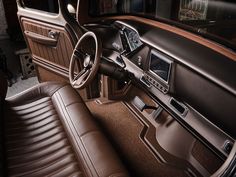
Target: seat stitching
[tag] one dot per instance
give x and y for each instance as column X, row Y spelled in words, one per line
column 61, row 138
column 66, row 155
column 31, row 111
column 120, row 174
column 75, row 102
column 57, row 89
column 48, row 146
column 52, row 114
column 88, row 132
column 58, row 98
column 82, row 144
column 60, row 152
column 44, row 100
column 38, row 141
column 67, row 166
column 35, row 114
column 39, row 131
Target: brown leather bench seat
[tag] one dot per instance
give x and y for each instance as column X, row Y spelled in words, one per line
column 49, row 131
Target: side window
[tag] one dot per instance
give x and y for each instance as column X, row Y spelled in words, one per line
column 50, row 6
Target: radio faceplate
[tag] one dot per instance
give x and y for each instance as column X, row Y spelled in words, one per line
column 159, row 71
column 163, row 87
column 160, row 66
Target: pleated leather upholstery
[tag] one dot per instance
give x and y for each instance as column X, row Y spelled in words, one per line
column 36, row 142
column 48, row 131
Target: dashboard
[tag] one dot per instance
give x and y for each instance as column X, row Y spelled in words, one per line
column 183, row 82
column 159, row 65
column 169, row 79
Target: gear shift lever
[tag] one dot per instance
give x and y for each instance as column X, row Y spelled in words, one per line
column 141, row 105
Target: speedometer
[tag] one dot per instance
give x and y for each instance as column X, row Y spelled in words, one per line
column 132, row 39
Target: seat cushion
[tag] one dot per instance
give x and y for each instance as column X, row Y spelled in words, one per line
column 48, row 131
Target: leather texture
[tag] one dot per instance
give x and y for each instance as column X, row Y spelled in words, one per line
column 49, row 131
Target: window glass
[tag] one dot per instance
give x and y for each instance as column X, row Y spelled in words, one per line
column 44, row 5
column 215, row 19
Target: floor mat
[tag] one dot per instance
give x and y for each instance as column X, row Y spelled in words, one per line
column 123, row 130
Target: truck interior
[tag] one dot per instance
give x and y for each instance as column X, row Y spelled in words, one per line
column 118, row 88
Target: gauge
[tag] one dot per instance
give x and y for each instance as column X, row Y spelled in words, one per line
column 132, row 39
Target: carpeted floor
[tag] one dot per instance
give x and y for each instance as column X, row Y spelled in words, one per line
column 8, row 49
column 123, row 130
column 21, row 85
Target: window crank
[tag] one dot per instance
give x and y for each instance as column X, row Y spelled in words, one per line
column 53, row 34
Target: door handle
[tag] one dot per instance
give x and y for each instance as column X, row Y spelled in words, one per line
column 41, row 39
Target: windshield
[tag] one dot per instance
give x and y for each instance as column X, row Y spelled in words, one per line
column 215, row 19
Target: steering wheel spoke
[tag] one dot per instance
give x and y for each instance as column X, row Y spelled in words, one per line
column 84, row 76
column 79, row 54
column 80, row 77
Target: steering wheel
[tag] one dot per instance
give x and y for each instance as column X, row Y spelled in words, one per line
column 90, row 61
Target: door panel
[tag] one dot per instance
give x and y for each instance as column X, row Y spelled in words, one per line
column 51, row 37
column 59, row 54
